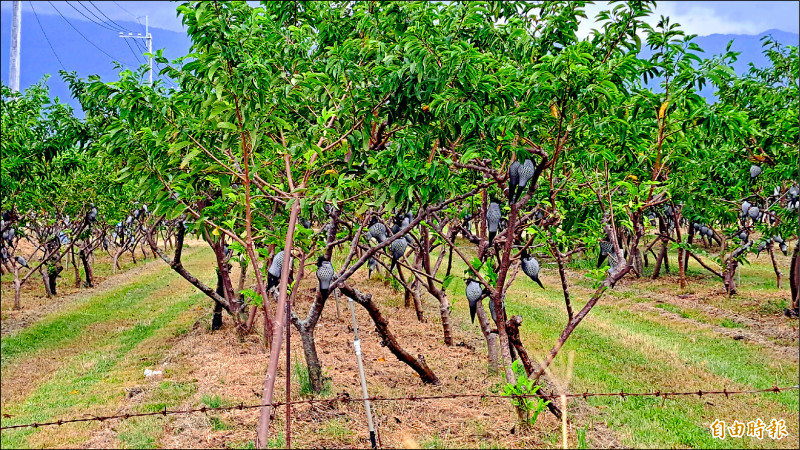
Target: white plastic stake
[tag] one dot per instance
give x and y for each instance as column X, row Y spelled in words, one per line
column 357, row 348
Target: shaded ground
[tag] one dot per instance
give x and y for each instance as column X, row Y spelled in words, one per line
column 88, row 357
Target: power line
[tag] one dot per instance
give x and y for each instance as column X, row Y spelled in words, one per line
column 89, row 18
column 45, row 36
column 132, row 15
column 104, row 15
column 84, row 37
column 135, row 55
column 140, row 45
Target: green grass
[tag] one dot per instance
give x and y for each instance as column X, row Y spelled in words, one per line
column 773, row 307
column 304, row 380
column 637, row 351
column 90, row 380
column 337, row 429
column 687, row 313
column 435, row 441
column 67, row 327
column 212, row 401
column 728, row 323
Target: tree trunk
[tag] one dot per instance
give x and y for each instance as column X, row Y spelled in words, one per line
column 117, row 254
column 312, row 358
column 512, row 327
column 418, row 364
column 216, row 319
column 794, row 280
column 87, row 269
column 52, row 275
column 75, row 267
column 729, row 276
column 775, row 267
column 17, row 287
column 45, row 281
column 676, row 217
column 491, row 340
column 661, row 257
column 444, row 311
column 690, row 241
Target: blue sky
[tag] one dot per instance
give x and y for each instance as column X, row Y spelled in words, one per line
column 697, row 17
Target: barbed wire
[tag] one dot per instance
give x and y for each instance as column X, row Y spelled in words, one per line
column 345, row 398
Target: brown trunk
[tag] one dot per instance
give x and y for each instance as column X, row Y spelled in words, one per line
column 75, row 267
column 794, row 279
column 512, row 327
column 116, row 259
column 729, row 276
column 440, row 294
column 17, row 287
column 661, row 256
column 176, row 265
column 775, row 267
column 410, row 297
column 690, row 241
column 418, row 364
column 87, row 269
column 45, row 281
column 444, row 311
column 491, row 340
column 676, row 217
column 216, row 319
column 52, row 276
column 561, row 272
column 312, row 359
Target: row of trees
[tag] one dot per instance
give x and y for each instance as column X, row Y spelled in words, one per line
column 295, row 117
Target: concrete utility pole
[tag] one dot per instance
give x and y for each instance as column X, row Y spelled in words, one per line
column 16, row 38
column 149, row 38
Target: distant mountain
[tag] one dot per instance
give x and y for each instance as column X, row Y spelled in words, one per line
column 750, row 46
column 77, row 54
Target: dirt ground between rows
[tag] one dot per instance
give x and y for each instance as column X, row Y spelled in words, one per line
column 220, row 364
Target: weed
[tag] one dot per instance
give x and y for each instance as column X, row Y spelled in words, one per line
column 434, row 441
column 336, row 428
column 211, row 401
column 301, row 373
column 728, row 323
column 581, row 432
column 278, row 442
column 529, row 407
column 773, row 306
column 218, row 424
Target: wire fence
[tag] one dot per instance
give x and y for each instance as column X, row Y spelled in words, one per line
column 347, row 399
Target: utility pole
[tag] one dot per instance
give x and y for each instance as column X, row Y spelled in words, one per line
column 16, row 38
column 149, row 38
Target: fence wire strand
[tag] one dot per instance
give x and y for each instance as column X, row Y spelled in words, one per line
column 347, row 399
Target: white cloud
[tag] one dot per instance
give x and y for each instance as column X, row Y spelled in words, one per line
column 705, row 18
